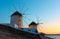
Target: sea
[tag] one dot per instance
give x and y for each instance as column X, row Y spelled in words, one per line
column 54, row 36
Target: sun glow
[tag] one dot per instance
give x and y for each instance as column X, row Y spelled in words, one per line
column 50, row 29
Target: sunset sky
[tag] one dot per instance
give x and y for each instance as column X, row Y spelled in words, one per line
column 46, row 10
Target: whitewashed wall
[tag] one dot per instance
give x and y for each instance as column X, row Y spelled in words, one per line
column 15, row 21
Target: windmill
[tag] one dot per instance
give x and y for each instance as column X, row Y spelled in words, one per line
column 23, row 14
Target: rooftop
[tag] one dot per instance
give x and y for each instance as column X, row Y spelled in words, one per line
column 16, row 13
column 32, row 23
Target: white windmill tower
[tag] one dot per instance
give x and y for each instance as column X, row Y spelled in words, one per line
column 16, row 20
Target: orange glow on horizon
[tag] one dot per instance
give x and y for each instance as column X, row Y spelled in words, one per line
column 50, row 29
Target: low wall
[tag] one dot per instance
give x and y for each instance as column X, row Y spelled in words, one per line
column 7, row 32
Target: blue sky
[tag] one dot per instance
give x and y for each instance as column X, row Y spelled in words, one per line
column 46, row 10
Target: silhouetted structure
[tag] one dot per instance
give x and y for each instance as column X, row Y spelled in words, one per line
column 33, row 25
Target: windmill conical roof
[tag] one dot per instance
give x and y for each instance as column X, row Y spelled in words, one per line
column 32, row 23
column 16, row 13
